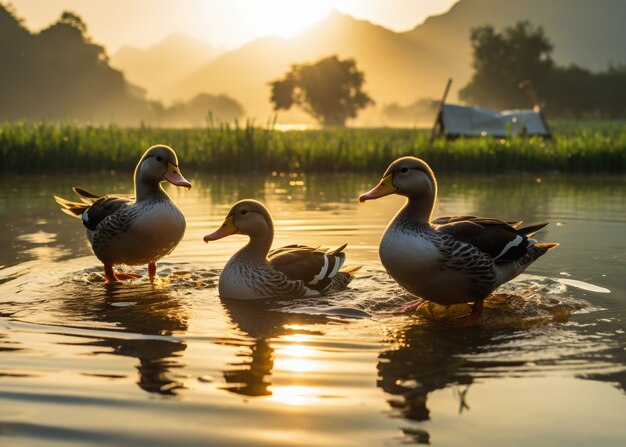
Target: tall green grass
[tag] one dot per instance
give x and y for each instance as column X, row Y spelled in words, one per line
column 241, row 149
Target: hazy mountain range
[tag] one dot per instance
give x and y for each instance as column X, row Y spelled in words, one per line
column 399, row 67
column 165, row 63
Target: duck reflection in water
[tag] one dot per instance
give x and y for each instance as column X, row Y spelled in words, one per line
column 148, row 316
column 261, row 321
column 429, row 358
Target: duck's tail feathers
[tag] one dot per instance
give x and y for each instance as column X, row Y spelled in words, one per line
column 352, row 270
column 534, row 252
column 529, row 231
column 86, row 196
column 337, row 250
column 342, row 279
column 547, row 246
column 74, row 209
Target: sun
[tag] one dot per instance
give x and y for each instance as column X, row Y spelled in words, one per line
column 286, row 18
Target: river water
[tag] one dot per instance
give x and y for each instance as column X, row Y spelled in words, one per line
column 88, row 363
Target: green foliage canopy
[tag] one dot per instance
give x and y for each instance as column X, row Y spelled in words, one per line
column 330, row 90
column 502, row 60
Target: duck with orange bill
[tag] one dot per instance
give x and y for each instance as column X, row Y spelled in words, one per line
column 293, row 271
column 449, row 260
column 139, row 230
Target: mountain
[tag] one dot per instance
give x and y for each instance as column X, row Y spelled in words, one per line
column 392, row 64
column 403, row 67
column 168, row 61
column 589, row 34
column 60, row 74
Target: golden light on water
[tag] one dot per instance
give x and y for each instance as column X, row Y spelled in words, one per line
column 295, row 395
column 295, row 358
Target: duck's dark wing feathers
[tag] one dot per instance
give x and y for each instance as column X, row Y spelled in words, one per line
column 315, row 266
column 451, row 219
column 501, row 240
column 103, row 208
column 92, row 209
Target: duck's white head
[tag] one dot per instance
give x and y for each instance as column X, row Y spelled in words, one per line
column 247, row 217
column 407, row 176
column 159, row 164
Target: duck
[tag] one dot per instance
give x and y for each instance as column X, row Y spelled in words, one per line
column 134, row 230
column 293, row 271
column 448, row 260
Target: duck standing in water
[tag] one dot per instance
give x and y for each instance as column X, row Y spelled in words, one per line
column 140, row 231
column 449, row 260
column 294, row 271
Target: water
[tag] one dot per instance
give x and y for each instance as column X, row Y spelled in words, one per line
column 85, row 363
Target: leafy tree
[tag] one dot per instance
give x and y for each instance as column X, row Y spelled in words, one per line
column 503, row 60
column 330, row 90
column 522, row 52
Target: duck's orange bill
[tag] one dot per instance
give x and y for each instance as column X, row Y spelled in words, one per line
column 174, row 176
column 227, row 228
column 384, row 188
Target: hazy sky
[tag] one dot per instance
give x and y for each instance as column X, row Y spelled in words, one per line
column 225, row 23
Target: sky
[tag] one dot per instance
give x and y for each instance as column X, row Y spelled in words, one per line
column 222, row 23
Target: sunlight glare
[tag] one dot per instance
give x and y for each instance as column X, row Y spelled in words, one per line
column 295, row 358
column 294, row 395
column 286, row 18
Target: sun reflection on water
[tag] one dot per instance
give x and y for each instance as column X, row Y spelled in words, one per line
column 295, row 395
column 295, row 358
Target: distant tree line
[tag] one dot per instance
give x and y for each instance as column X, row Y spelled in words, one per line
column 60, row 74
column 522, row 52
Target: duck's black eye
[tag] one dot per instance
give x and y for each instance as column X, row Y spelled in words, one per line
column 403, row 170
column 159, row 158
column 243, row 211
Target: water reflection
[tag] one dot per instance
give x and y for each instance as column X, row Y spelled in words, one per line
column 68, row 340
column 424, row 358
column 429, row 358
column 263, row 322
column 141, row 310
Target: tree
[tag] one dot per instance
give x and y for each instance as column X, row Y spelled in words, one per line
column 330, row 90
column 503, row 60
column 522, row 52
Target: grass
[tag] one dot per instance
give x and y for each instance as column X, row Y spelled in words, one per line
column 586, row 147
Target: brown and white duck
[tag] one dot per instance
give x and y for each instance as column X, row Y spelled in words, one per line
column 136, row 231
column 294, row 271
column 449, row 260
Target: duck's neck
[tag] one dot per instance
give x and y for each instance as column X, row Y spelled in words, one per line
column 145, row 190
column 418, row 209
column 259, row 245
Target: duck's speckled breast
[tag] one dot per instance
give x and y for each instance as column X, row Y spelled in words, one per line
column 407, row 254
column 412, row 255
column 153, row 231
column 239, row 278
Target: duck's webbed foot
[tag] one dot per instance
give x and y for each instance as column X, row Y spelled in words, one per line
column 472, row 318
column 112, row 276
column 407, row 307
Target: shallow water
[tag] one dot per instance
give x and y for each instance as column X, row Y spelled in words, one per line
column 85, row 363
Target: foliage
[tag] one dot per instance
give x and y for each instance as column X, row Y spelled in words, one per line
column 60, row 74
column 330, row 90
column 522, row 53
column 47, row 148
column 502, row 61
